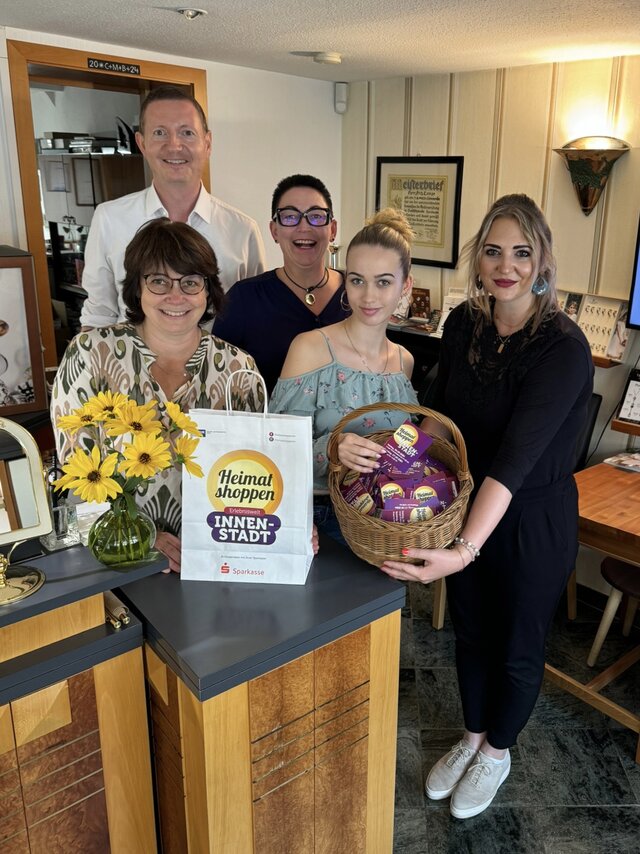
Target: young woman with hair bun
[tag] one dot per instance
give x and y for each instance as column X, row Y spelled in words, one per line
column 329, row 372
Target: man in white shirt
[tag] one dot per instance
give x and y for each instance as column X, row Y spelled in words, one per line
column 176, row 144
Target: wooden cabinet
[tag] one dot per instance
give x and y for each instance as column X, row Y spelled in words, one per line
column 75, row 768
column 298, row 760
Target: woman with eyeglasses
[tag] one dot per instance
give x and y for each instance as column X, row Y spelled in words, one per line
column 263, row 314
column 171, row 287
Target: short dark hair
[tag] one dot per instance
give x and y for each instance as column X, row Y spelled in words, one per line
column 299, row 181
column 171, row 93
column 160, row 244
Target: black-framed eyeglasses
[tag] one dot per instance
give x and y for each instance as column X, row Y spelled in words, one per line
column 160, row 284
column 316, row 217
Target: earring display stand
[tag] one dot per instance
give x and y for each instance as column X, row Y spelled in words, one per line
column 603, row 321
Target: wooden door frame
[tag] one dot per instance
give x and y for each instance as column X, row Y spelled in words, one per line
column 20, row 56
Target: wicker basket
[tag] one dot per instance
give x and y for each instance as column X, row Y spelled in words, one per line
column 376, row 540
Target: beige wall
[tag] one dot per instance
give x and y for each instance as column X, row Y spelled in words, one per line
column 505, row 123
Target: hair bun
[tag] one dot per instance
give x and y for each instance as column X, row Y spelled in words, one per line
column 395, row 219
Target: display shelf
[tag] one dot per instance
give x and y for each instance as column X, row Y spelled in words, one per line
column 625, row 427
column 604, row 362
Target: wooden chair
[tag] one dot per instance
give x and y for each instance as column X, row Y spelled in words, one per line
column 582, row 449
column 624, row 579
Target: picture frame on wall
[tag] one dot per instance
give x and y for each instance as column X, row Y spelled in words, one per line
column 429, row 191
column 22, row 383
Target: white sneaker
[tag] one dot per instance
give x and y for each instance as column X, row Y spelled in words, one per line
column 479, row 785
column 449, row 770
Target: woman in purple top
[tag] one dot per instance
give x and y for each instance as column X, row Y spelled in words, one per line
column 263, row 314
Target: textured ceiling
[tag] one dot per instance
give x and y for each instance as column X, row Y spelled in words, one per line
column 377, row 38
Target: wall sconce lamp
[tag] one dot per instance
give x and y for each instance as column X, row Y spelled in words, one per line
column 589, row 160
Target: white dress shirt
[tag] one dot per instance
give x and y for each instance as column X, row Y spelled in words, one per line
column 235, row 239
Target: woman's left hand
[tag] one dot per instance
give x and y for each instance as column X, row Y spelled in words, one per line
column 170, row 546
column 437, row 563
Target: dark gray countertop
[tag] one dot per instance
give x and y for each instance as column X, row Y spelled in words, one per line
column 215, row 635
column 71, row 574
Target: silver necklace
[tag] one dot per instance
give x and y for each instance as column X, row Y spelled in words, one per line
column 361, row 357
column 309, row 296
column 171, row 373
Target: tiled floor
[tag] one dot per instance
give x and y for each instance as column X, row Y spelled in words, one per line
column 574, row 787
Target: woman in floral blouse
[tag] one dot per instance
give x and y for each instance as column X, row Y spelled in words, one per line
column 171, row 287
column 332, row 371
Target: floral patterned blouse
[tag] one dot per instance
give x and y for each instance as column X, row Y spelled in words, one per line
column 330, row 392
column 116, row 359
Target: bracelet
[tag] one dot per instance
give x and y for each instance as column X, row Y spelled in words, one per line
column 464, row 565
column 474, row 551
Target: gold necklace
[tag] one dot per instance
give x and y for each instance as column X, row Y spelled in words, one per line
column 309, row 296
column 503, row 341
column 361, row 357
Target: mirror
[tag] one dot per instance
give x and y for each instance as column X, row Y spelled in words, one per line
column 24, row 508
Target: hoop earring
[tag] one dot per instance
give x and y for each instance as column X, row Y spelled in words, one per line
column 343, row 305
column 478, row 283
column 540, row 286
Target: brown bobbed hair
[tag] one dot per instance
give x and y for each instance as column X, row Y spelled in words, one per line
column 161, row 244
column 390, row 229
column 536, row 232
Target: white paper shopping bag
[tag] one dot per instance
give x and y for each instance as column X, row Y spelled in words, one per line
column 250, row 517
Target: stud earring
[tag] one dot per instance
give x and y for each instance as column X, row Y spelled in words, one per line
column 540, row 286
column 344, row 301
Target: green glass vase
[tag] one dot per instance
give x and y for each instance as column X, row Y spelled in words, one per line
column 120, row 540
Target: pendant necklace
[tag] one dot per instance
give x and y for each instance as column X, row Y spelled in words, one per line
column 502, row 341
column 361, row 357
column 309, row 296
column 171, row 373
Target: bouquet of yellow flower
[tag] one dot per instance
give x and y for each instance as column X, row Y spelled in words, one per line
column 124, row 447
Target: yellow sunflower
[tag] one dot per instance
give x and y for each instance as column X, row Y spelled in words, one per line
column 90, row 478
column 104, row 405
column 145, row 456
column 132, row 418
column 78, row 419
column 184, row 455
column 181, row 420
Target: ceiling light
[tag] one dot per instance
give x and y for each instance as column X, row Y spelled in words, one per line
column 328, row 57
column 190, row 14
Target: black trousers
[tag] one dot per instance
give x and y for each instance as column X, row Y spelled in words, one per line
column 502, row 605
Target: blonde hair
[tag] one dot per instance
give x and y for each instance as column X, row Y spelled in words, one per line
column 536, row 231
column 390, row 229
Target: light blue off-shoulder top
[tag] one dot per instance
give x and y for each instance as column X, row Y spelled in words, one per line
column 328, row 393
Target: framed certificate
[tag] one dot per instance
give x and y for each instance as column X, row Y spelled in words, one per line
column 428, row 190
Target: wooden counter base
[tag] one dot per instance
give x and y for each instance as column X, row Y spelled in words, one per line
column 300, row 760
